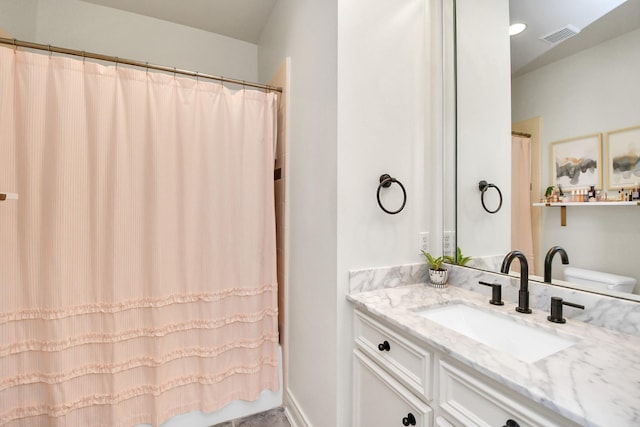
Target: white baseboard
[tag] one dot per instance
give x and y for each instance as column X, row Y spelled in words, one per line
column 294, row 413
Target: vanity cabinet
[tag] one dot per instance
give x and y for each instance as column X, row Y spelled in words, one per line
column 382, row 401
column 395, row 376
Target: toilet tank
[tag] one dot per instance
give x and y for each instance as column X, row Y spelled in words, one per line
column 599, row 279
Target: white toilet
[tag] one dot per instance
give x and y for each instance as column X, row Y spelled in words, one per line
column 599, row 279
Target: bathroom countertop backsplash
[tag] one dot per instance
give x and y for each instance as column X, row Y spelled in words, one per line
column 600, row 310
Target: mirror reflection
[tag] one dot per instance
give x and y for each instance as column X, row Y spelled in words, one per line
column 568, row 89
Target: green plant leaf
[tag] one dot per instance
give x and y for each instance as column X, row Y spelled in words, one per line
column 434, row 263
column 549, row 190
column 458, row 259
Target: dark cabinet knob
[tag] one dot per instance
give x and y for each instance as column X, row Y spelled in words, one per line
column 511, row 423
column 409, row 420
column 384, row 346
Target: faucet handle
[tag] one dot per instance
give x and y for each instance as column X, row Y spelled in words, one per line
column 496, row 292
column 556, row 309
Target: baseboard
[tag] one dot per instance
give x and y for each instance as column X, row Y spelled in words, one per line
column 294, row 413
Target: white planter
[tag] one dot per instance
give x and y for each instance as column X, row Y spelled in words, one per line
column 438, row 278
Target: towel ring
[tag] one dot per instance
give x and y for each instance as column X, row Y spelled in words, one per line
column 386, row 181
column 484, row 186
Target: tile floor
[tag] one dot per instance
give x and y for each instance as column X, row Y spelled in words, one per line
column 272, row 418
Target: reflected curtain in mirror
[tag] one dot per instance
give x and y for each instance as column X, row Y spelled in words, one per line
column 138, row 266
column 521, row 232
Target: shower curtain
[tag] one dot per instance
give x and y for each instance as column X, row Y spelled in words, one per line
column 137, row 268
column 521, row 229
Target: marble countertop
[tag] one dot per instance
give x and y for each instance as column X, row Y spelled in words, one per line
column 595, row 382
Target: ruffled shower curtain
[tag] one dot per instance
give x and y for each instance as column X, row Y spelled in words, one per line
column 137, row 268
column 521, row 227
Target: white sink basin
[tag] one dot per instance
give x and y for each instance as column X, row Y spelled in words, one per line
column 498, row 331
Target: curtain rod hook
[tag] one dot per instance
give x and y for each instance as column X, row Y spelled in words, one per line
column 49, row 48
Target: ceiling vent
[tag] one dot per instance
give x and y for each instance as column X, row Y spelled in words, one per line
column 560, row 35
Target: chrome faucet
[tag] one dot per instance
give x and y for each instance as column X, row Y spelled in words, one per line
column 523, row 295
column 549, row 258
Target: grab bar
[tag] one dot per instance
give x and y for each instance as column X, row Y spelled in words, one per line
column 8, row 196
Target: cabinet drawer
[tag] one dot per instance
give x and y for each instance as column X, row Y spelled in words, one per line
column 408, row 363
column 472, row 401
column 379, row 400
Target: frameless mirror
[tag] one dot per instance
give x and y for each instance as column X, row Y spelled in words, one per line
column 582, row 83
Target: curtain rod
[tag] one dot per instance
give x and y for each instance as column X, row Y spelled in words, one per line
column 65, row 51
column 526, row 135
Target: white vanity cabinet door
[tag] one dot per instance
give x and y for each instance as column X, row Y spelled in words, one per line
column 472, row 401
column 408, row 363
column 381, row 401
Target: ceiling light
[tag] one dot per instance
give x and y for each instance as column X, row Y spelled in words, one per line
column 516, row 28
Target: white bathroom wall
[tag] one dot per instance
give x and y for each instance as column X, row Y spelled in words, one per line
column 382, row 78
column 383, row 127
column 18, row 17
column 306, row 32
column 361, row 91
column 484, row 123
column 86, row 26
column 587, row 93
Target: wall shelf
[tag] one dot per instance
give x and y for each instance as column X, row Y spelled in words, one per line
column 563, row 207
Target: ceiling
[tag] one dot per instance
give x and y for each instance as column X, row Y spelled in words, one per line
column 245, row 20
column 597, row 20
column 239, row 19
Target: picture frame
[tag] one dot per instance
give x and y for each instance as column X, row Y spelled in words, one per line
column 576, row 163
column 623, row 158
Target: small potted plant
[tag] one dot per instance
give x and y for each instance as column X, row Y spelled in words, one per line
column 437, row 273
column 458, row 259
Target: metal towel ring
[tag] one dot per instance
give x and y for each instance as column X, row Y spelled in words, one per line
column 484, row 186
column 386, row 181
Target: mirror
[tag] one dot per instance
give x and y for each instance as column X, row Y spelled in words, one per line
column 584, row 85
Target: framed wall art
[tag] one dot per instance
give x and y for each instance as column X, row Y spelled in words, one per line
column 577, row 162
column 623, row 158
